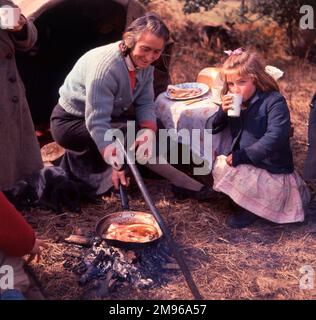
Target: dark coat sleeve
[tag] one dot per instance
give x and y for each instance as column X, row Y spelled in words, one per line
column 240, row 157
column 218, row 121
column 25, row 39
column 278, row 131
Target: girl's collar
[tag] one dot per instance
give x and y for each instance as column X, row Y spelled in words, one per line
column 250, row 101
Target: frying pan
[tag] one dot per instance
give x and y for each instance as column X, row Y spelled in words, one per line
column 158, row 219
column 126, row 217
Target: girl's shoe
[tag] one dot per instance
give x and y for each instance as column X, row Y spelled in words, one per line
column 206, row 193
column 241, row 219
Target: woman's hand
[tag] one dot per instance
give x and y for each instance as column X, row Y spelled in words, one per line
column 229, row 160
column 119, row 177
column 21, row 23
column 227, row 102
column 37, row 251
column 144, row 145
column 113, row 156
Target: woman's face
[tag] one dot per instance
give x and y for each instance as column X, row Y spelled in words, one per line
column 242, row 85
column 147, row 49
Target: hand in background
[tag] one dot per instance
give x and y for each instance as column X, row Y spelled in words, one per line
column 21, row 23
column 113, row 156
column 37, row 251
column 119, row 177
column 227, row 102
column 229, row 160
column 144, row 145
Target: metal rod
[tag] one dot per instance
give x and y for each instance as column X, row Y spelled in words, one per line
column 124, row 198
column 185, row 270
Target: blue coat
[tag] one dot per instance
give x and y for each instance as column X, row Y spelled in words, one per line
column 261, row 133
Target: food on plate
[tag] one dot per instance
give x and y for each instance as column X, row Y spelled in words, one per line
column 175, row 92
column 137, row 232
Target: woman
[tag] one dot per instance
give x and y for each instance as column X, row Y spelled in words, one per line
column 20, row 154
column 99, row 90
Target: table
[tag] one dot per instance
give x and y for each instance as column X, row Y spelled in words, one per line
column 179, row 115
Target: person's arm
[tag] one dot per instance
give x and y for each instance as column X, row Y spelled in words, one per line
column 278, row 131
column 17, row 238
column 25, row 35
column 218, row 121
column 240, row 157
column 144, row 104
column 100, row 90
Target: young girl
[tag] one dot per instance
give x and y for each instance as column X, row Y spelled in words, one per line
column 258, row 173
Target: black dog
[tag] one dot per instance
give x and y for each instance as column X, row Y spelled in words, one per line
column 48, row 188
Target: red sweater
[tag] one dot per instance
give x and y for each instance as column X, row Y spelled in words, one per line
column 17, row 237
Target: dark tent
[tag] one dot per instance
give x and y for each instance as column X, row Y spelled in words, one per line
column 66, row 30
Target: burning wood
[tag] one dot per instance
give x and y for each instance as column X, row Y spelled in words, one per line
column 103, row 268
column 79, row 240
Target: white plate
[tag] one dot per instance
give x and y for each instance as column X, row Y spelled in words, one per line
column 190, row 85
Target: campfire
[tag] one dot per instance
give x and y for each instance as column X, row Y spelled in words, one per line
column 102, row 269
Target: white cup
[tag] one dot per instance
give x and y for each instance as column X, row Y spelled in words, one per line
column 236, row 105
column 216, row 94
column 9, row 17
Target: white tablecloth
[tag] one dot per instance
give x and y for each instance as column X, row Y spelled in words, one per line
column 177, row 115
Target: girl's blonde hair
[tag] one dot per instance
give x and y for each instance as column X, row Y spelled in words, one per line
column 247, row 63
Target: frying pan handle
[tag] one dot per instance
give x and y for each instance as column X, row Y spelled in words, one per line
column 124, row 198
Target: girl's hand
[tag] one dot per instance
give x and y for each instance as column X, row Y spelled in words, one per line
column 119, row 177
column 227, row 102
column 37, row 251
column 229, row 160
